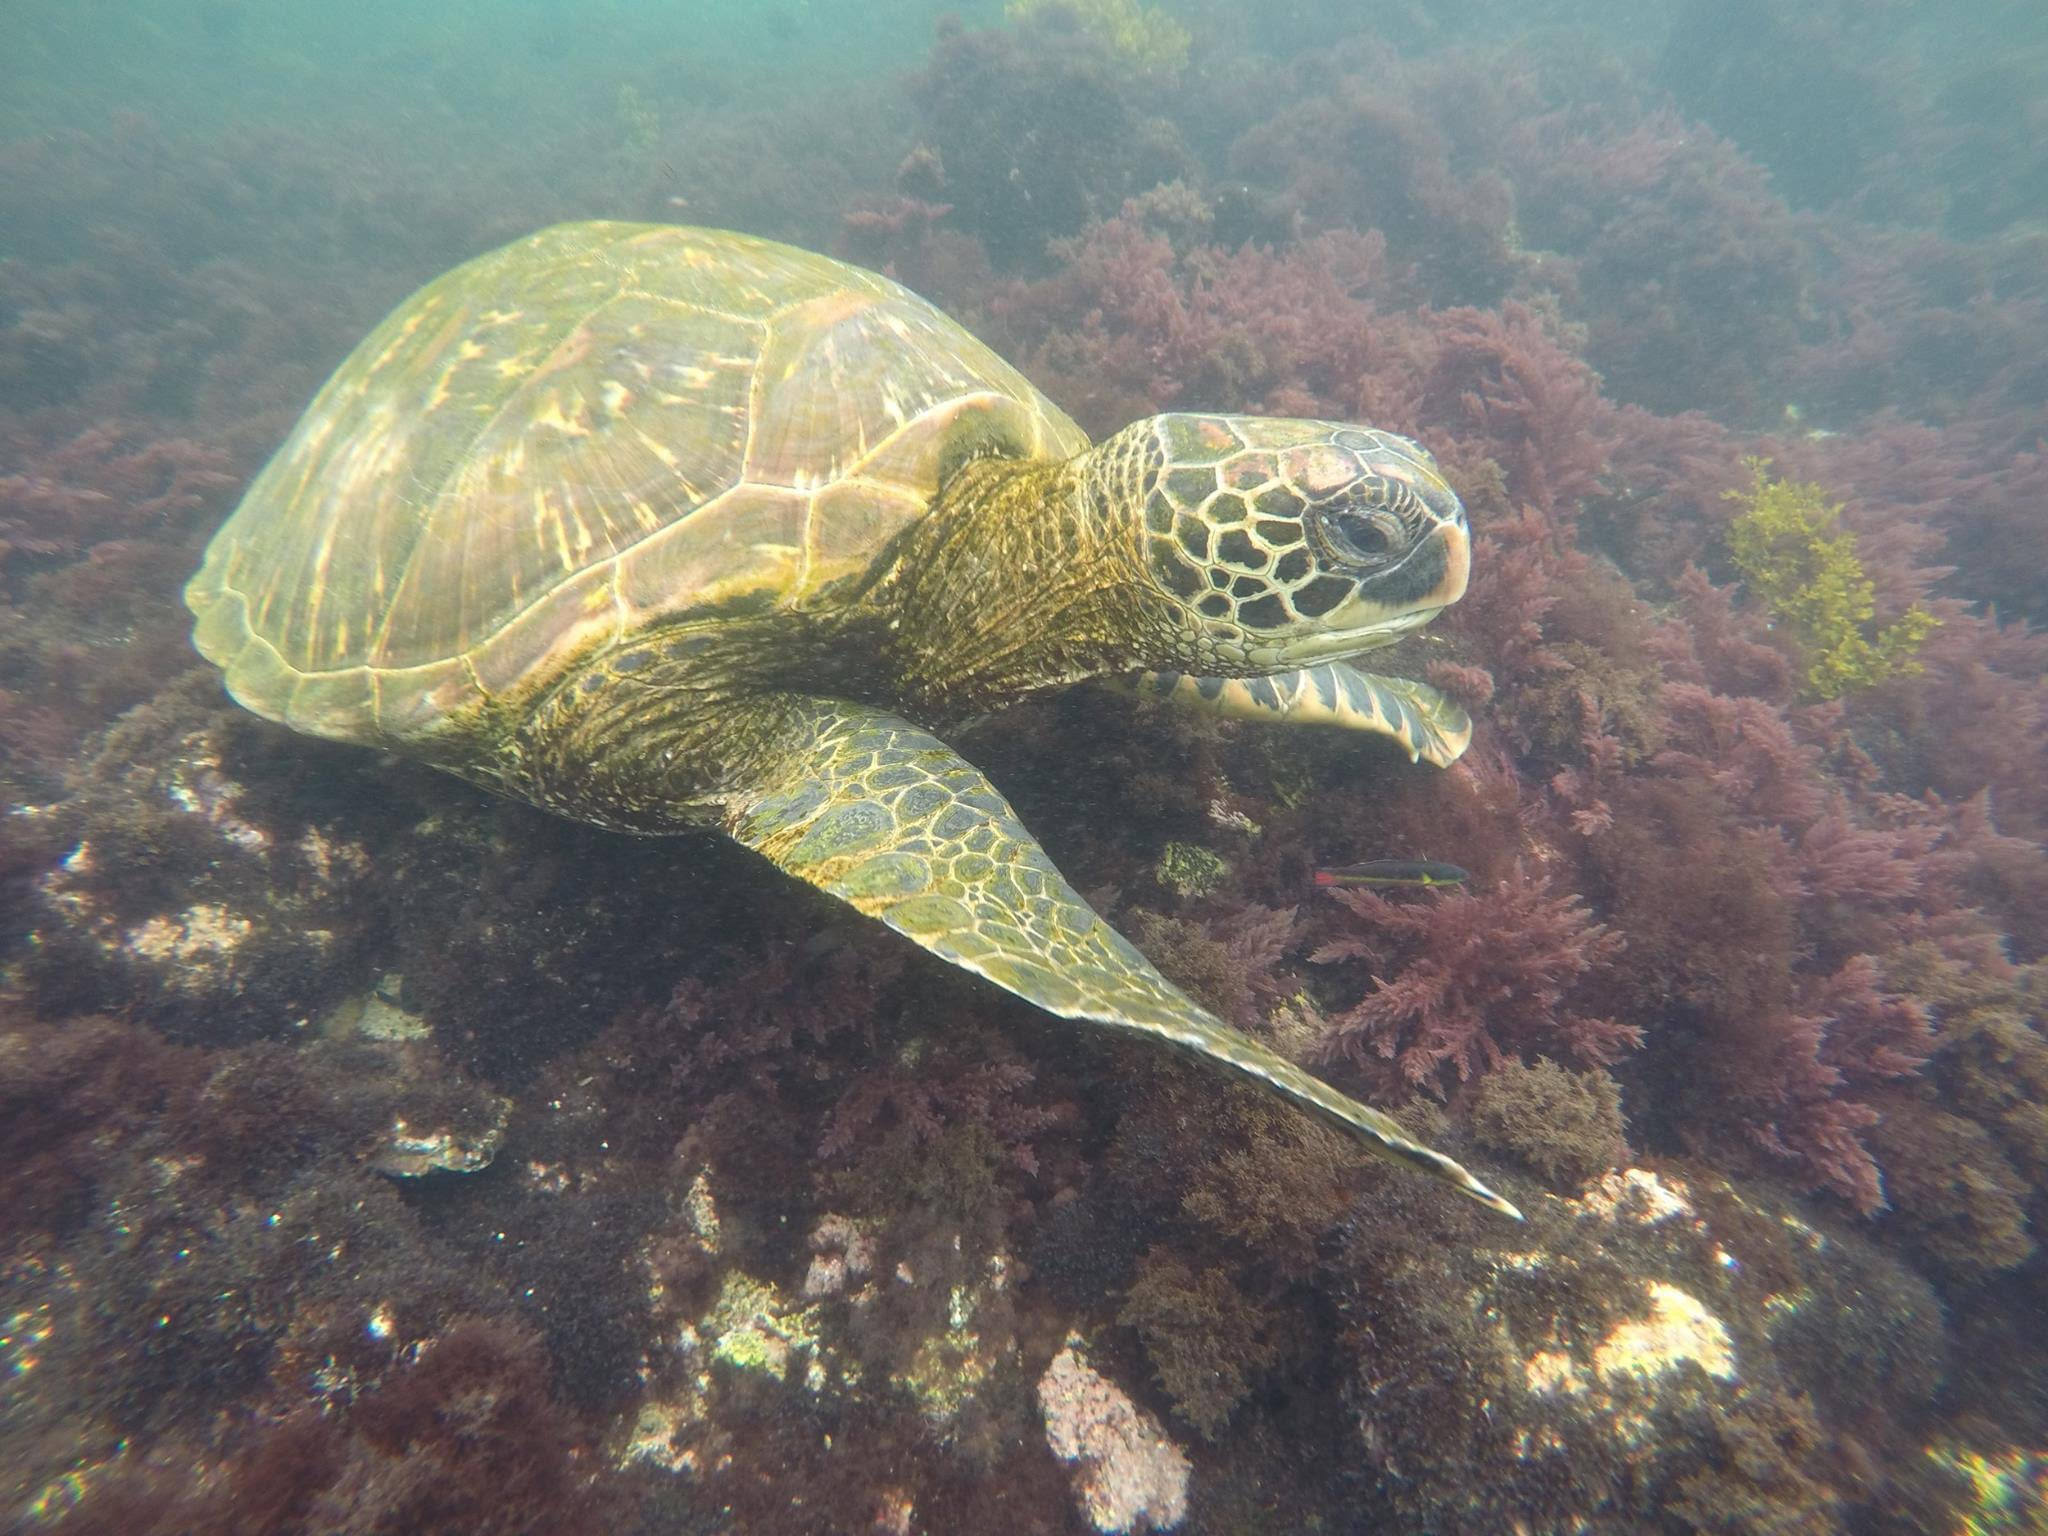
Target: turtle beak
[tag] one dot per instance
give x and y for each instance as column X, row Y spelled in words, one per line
column 1429, row 581
column 1457, row 566
column 1431, row 578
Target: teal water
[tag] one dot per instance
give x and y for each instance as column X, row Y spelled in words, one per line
column 520, row 65
column 380, row 1154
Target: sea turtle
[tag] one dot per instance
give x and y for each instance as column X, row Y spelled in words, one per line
column 660, row 528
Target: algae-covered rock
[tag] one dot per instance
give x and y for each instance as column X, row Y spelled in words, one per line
column 1189, row 870
column 434, row 1117
column 1623, row 1359
column 1565, row 1125
column 186, row 898
column 1205, row 1338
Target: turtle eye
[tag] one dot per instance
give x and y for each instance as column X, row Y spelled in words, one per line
column 1355, row 533
column 1373, row 537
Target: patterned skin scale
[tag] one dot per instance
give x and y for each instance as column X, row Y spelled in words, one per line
column 665, row 528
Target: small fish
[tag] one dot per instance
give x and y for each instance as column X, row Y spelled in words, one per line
column 1394, row 872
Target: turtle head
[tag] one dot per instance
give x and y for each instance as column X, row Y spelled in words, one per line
column 1283, row 543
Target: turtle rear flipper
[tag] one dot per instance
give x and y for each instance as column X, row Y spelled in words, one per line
column 887, row 817
column 1429, row 726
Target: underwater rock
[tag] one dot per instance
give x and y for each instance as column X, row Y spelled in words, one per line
column 2004, row 1488
column 412, row 1152
column 842, row 1251
column 1637, row 1366
column 1602, row 1375
column 1129, row 1476
column 954, row 1370
column 725, row 1338
column 437, row 1119
column 755, row 1327
column 1567, row 1126
column 1189, row 870
column 184, row 898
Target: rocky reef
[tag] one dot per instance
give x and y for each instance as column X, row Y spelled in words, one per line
column 382, row 1156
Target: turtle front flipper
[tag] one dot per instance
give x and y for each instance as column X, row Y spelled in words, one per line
column 1427, row 724
column 889, row 818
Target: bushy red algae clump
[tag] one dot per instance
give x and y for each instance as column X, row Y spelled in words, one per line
column 1467, row 980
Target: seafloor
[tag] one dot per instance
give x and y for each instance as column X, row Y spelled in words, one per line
column 377, row 1156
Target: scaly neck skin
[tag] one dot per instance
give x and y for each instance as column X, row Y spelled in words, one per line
column 1023, row 576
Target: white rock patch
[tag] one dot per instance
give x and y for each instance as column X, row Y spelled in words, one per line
column 1129, row 1475
column 1678, row 1329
